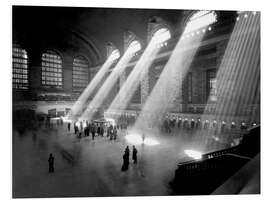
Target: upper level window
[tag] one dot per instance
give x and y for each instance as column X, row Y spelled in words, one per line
column 19, row 68
column 80, row 73
column 134, row 47
column 115, row 54
column 51, row 69
column 161, row 36
column 199, row 20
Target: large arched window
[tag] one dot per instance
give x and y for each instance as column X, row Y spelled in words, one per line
column 199, row 20
column 134, row 47
column 51, row 69
column 115, row 54
column 112, row 52
column 161, row 36
column 80, row 73
column 19, row 68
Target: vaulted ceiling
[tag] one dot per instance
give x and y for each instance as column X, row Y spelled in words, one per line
column 88, row 30
column 59, row 27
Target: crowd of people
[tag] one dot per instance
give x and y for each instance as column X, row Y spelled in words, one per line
column 125, row 120
column 86, row 128
column 166, row 123
column 50, row 122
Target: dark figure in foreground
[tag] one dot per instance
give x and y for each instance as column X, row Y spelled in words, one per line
column 114, row 133
column 134, row 155
column 125, row 160
column 93, row 131
column 51, row 163
column 127, row 151
column 68, row 127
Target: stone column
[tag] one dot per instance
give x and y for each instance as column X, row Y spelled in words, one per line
column 67, row 66
column 34, row 68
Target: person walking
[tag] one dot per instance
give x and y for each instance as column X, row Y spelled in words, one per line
column 93, row 131
column 134, row 155
column 51, row 163
column 114, row 133
column 125, row 159
column 127, row 151
column 68, row 126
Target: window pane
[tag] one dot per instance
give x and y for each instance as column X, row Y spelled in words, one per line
column 20, row 66
column 80, row 73
column 51, row 66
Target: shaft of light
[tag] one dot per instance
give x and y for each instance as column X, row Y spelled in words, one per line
column 169, row 85
column 103, row 92
column 80, row 103
column 199, row 20
column 138, row 72
column 166, row 89
column 238, row 74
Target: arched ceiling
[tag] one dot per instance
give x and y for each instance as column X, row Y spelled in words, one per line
column 91, row 28
column 43, row 26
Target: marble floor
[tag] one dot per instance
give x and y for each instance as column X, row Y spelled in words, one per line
column 86, row 167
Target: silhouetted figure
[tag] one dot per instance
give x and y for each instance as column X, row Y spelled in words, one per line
column 98, row 130
column 125, row 160
column 68, row 127
column 81, row 126
column 85, row 131
column 51, row 163
column 114, row 133
column 174, row 122
column 179, row 122
column 223, row 126
column 102, row 131
column 93, row 135
column 206, row 124
column 192, row 124
column 93, row 131
column 76, row 129
column 134, row 154
column 127, row 151
column 198, row 123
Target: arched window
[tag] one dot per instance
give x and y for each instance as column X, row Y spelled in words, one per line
column 161, row 36
column 19, row 68
column 80, row 73
column 51, row 69
column 115, row 54
column 199, row 20
column 134, row 46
